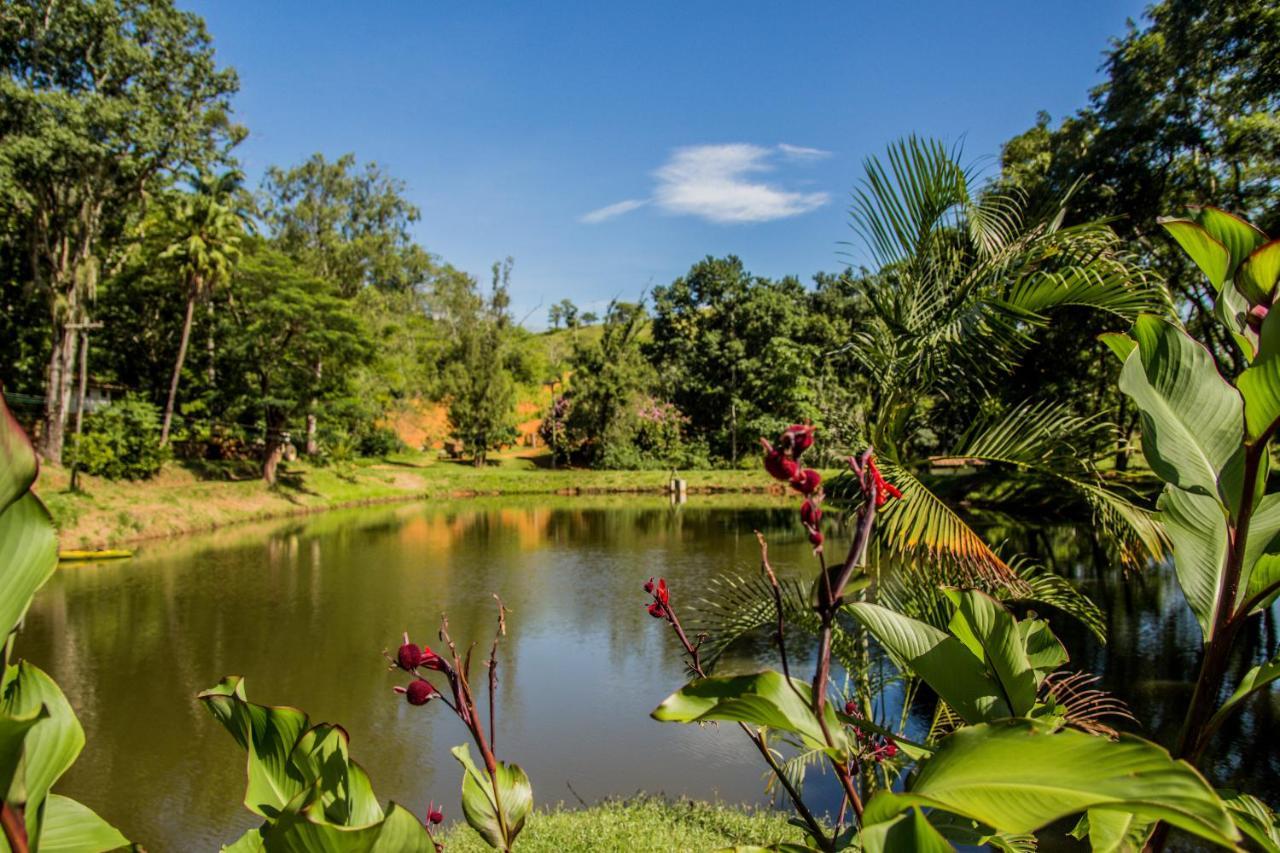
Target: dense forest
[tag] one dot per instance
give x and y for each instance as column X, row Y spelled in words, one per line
column 301, row 314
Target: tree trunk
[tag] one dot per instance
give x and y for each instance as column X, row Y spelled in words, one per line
column 211, row 370
column 83, row 380
column 274, row 451
column 58, row 389
column 312, row 447
column 177, row 367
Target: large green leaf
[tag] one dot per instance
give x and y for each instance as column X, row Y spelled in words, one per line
column 991, row 633
column 1253, row 818
column 515, row 799
column 1255, row 679
column 1197, row 528
column 1113, row 831
column 309, row 832
column 70, row 827
column 1209, row 254
column 1019, row 775
column 28, row 556
column 51, row 746
column 1257, row 275
column 953, row 671
column 760, row 699
column 1260, row 382
column 268, row 735
column 1192, row 419
column 908, row 831
column 1239, row 236
column 18, row 462
column 13, row 736
column 1261, row 571
column 322, row 758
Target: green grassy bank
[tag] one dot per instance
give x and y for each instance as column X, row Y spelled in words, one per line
column 184, row 499
column 645, row 825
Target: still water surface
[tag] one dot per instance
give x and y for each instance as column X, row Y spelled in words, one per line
column 304, row 609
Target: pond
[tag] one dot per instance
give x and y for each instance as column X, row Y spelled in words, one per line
column 303, row 610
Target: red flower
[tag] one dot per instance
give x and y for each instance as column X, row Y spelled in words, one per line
column 431, row 660
column 662, row 594
column 409, row 657
column 851, row 708
column 807, row 481
column 656, row 611
column 419, row 692
column 434, row 815
column 810, row 513
column 796, row 438
column 884, row 489
column 779, row 465
column 1257, row 314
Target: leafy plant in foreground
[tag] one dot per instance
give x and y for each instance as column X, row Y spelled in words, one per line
column 312, row 796
column 40, row 737
column 1019, row 746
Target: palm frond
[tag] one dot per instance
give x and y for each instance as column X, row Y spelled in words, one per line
column 1084, row 705
column 1044, row 587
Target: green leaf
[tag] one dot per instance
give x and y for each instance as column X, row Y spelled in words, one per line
column 251, row 842
column 1020, row 775
column 28, row 556
column 1257, row 275
column 1255, row 679
column 1114, row 831
column 1254, row 818
column 309, row 832
column 13, row 736
column 944, row 662
column 268, row 735
column 1238, row 236
column 908, row 831
column 1210, row 255
column 991, row 632
column 70, row 827
column 322, row 759
column 1260, row 575
column 761, row 699
column 52, row 744
column 1045, row 651
column 1260, row 382
column 18, row 462
column 402, row 833
column 1197, row 528
column 1232, row 310
column 515, row 797
column 1119, row 343
column 1192, row 419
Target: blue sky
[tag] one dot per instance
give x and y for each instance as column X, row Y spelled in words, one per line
column 607, row 147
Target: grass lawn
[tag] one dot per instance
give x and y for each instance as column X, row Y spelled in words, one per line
column 644, row 825
column 185, row 499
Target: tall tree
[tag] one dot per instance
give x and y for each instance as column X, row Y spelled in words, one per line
column 286, row 317
column 735, row 353
column 205, row 234
column 99, row 102
column 350, row 225
column 480, row 384
column 1189, row 114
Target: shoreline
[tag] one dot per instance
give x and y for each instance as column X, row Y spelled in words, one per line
column 178, row 502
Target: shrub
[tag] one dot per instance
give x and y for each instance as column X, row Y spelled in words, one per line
column 121, row 442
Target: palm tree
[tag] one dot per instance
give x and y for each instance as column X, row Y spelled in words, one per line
column 207, row 229
column 966, row 278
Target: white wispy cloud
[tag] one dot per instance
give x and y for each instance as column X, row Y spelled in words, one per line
column 612, row 210
column 799, row 152
column 720, row 183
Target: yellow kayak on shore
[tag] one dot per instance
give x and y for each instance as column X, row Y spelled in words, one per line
column 84, row 556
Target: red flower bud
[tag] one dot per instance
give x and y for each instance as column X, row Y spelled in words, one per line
column 656, row 611
column 807, row 481
column 779, row 465
column 810, row 513
column 815, row 537
column 662, row 593
column 435, row 816
column 1257, row 314
column 851, row 708
column 420, row 692
column 796, row 439
column 884, row 489
column 648, row 587
column 431, row 660
column 409, row 657
column 891, row 749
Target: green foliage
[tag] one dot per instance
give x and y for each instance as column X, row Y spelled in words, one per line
column 40, row 737
column 120, row 441
column 497, row 806
column 302, row 781
column 479, row 379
